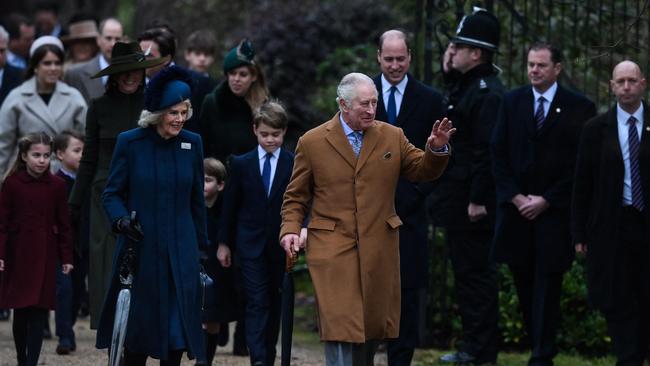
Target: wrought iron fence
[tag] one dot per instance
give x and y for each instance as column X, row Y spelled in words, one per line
column 593, row 34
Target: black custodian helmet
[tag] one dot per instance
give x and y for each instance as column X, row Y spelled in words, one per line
column 480, row 29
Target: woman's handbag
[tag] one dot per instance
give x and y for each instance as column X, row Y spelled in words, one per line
column 208, row 293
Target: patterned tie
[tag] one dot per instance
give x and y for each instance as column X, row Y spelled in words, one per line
column 539, row 114
column 357, row 142
column 266, row 173
column 635, row 171
column 392, row 108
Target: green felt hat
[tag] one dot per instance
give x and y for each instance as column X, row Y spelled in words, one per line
column 127, row 57
column 241, row 55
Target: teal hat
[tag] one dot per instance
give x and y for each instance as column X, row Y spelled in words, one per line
column 241, row 55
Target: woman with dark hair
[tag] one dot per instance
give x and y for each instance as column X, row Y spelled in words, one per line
column 42, row 103
column 227, row 112
column 116, row 111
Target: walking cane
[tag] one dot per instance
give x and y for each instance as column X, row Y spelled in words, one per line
column 287, row 310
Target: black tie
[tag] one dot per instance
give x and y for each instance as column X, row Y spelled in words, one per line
column 539, row 114
column 635, row 171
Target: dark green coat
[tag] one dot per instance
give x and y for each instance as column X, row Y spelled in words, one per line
column 226, row 124
column 107, row 117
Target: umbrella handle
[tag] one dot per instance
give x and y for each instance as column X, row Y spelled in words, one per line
column 290, row 262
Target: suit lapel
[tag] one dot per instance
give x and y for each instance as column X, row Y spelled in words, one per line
column 381, row 113
column 336, row 137
column 554, row 111
column 281, row 171
column 527, row 107
column 254, row 166
column 370, row 138
column 409, row 101
column 644, row 152
column 611, row 141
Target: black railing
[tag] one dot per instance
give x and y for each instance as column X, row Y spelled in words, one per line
column 593, row 34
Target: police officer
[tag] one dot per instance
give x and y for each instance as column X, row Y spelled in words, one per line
column 464, row 200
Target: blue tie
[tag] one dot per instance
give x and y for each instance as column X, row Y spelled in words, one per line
column 392, row 108
column 266, row 173
column 539, row 114
column 635, row 171
column 357, row 142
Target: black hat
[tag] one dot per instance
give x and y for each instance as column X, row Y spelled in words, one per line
column 481, row 29
column 128, row 57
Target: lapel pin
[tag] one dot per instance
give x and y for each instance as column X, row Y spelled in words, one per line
column 186, row 146
column 558, row 110
column 387, row 155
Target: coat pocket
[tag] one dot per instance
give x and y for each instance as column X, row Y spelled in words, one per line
column 322, row 224
column 394, row 222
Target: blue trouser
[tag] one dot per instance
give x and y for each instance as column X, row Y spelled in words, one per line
column 262, row 283
column 65, row 315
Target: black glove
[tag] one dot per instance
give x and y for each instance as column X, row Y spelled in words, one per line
column 129, row 226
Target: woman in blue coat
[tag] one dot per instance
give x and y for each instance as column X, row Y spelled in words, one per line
column 157, row 171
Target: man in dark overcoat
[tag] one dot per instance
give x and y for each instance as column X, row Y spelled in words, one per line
column 463, row 201
column 407, row 103
column 534, row 146
column 10, row 77
column 610, row 220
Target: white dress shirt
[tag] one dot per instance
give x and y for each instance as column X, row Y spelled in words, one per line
column 399, row 92
column 549, row 94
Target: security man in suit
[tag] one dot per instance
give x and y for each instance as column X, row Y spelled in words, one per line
column 610, row 217
column 464, row 199
column 534, row 147
column 412, row 106
column 10, row 77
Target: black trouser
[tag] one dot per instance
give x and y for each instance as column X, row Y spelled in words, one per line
column 138, row 359
column 28, row 334
column 400, row 350
column 211, row 341
column 539, row 300
column 628, row 321
column 477, row 292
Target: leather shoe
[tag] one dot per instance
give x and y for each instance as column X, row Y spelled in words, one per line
column 457, row 358
column 62, row 350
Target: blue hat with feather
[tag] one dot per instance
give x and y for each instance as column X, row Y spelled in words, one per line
column 170, row 86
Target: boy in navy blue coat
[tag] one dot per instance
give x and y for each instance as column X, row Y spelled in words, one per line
column 68, row 146
column 250, row 224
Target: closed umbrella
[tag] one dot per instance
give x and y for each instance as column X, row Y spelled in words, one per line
column 287, row 310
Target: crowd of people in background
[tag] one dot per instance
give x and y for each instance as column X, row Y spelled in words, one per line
column 107, row 146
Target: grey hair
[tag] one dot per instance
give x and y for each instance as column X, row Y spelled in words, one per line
column 153, row 118
column 347, row 88
column 4, row 35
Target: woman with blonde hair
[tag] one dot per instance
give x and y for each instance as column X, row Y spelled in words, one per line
column 227, row 112
column 154, row 202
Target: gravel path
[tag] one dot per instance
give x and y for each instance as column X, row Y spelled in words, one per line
column 86, row 354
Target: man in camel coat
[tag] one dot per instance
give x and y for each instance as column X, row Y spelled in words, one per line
column 345, row 174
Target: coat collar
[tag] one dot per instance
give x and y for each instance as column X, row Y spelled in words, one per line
column 24, row 177
column 48, row 113
column 336, row 137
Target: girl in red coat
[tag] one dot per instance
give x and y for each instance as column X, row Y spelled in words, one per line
column 34, row 232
